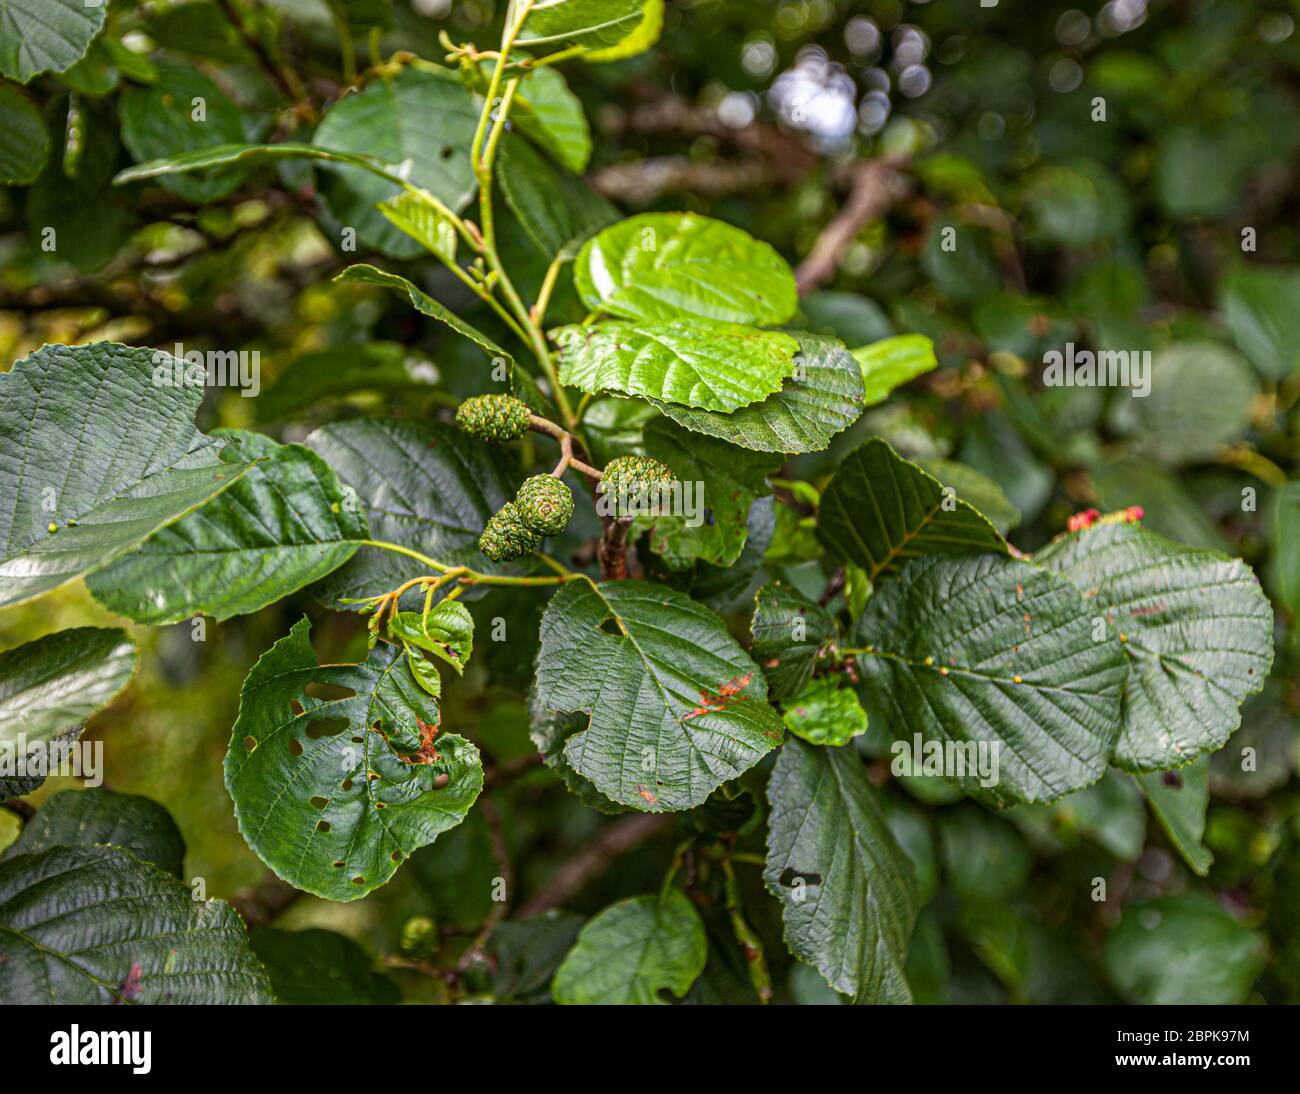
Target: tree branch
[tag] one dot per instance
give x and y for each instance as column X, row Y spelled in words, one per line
column 266, row 901
column 592, row 860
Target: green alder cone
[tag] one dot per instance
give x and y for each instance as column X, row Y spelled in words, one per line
column 507, row 535
column 493, row 418
column 632, row 474
column 545, row 504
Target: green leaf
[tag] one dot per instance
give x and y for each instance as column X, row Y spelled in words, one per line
column 676, row 706
column 427, row 305
column 343, row 369
column 24, row 140
column 1284, row 547
column 723, row 482
column 423, row 219
column 96, row 925
column 632, row 951
column 556, row 208
column 183, row 112
column 1179, row 800
column 285, row 524
column 549, row 732
column 104, row 480
column 847, row 891
column 63, row 678
column 659, row 266
column 594, row 24
column 641, row 39
column 45, row 35
column 224, row 155
column 334, row 793
column 552, row 116
column 892, row 362
column 527, row 952
column 823, row 397
column 1183, row 949
column 425, row 672
column 715, row 366
column 825, row 714
column 425, row 486
column 992, row 649
column 790, row 633
column 1201, row 396
column 879, row 510
column 420, row 124
column 320, row 967
column 447, row 631
column 1260, row 306
column 976, row 490
column 37, row 767
column 95, row 817
column 1196, row 629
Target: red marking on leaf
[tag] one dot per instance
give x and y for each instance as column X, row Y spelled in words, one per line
column 718, row 702
column 131, row 985
column 648, row 797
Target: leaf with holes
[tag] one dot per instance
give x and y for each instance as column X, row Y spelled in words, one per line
column 695, row 362
column 880, row 510
column 95, row 817
column 822, row 398
column 338, row 772
column 1179, row 800
column 848, row 893
column 790, row 633
column 61, row 679
column 419, row 124
column 425, row 487
column 676, row 707
column 96, row 455
column 632, row 951
column 45, row 35
column 284, row 524
column 664, row 266
column 97, row 925
column 991, row 653
column 1196, row 629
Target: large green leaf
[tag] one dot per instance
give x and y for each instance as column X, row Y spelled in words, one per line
column 1184, row 949
column 790, row 633
column 1179, row 800
column 45, row 35
column 633, row 951
column 424, row 485
column 880, row 510
column 94, row 458
column 333, row 794
column 552, row 116
column 95, row 817
column 320, row 967
column 892, row 362
column 97, row 925
column 24, row 140
column 659, row 266
column 63, row 678
column 419, row 123
column 977, row 490
column 556, row 208
column 182, row 112
column 597, row 25
column 426, row 305
column 695, row 362
column 992, row 649
column 823, row 397
column 1260, row 306
column 676, row 706
column 847, row 891
column 1196, row 628
column 286, row 523
column 724, row 483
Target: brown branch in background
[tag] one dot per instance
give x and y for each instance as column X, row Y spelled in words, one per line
column 265, row 901
column 505, row 773
column 19, row 808
column 642, row 182
column 284, row 79
column 501, row 855
column 591, row 861
column 611, row 552
column 876, row 186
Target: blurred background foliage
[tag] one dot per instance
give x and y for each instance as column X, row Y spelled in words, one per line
column 1120, row 175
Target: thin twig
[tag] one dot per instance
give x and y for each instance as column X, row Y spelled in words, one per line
column 266, row 901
